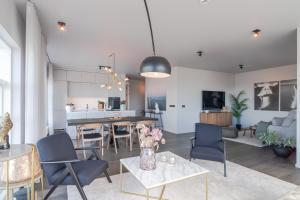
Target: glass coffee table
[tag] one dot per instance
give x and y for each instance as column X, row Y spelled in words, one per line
column 163, row 175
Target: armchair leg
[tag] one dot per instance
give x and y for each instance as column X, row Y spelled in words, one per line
column 225, row 174
column 73, row 174
column 50, row 192
column 107, row 176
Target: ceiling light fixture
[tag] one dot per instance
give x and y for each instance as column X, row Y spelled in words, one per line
column 61, row 26
column 200, row 53
column 204, row 1
column 154, row 66
column 256, row 33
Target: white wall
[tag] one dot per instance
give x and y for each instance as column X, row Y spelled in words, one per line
column 191, row 83
column 12, row 31
column 184, row 87
column 298, row 97
column 245, row 81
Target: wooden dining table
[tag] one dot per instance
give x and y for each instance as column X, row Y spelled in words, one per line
column 107, row 120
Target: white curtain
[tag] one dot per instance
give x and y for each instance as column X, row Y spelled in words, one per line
column 35, row 79
column 50, row 98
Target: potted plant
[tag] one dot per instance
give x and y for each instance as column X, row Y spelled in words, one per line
column 123, row 105
column 282, row 147
column 238, row 106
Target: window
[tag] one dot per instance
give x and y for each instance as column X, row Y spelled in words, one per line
column 5, row 78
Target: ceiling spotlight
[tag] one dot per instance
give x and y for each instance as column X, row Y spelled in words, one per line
column 61, row 26
column 256, row 33
column 109, row 87
column 103, row 85
column 119, row 83
column 200, row 53
column 204, row 1
column 126, row 79
column 241, row 67
column 120, row 89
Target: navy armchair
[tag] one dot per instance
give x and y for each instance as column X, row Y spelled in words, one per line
column 208, row 144
column 62, row 166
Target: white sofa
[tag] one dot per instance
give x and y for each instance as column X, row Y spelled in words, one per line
column 286, row 127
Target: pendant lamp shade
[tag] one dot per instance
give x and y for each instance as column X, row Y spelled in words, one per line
column 155, row 67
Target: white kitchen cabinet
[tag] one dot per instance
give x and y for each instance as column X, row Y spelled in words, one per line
column 74, row 76
column 60, row 95
column 60, row 75
column 101, row 78
column 77, row 115
column 88, row 77
column 59, row 119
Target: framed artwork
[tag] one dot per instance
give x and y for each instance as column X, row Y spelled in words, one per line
column 160, row 100
column 288, row 95
column 266, row 96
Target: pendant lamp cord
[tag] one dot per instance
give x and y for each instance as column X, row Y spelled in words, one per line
column 150, row 25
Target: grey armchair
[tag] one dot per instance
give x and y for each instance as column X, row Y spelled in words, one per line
column 62, row 167
column 208, row 144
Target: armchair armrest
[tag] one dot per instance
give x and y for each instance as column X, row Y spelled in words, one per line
column 192, row 139
column 59, row 162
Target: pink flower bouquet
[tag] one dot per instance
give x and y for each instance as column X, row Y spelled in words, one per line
column 150, row 139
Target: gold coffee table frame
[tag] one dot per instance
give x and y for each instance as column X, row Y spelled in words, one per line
column 163, row 185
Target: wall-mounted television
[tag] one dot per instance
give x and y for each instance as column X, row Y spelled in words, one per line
column 213, row 100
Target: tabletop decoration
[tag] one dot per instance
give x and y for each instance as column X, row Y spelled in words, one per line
column 6, row 126
column 149, row 143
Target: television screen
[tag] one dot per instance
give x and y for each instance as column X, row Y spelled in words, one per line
column 213, row 100
column 114, row 102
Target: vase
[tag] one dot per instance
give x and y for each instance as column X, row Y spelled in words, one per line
column 147, row 159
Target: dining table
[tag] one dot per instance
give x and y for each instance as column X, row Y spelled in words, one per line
column 108, row 120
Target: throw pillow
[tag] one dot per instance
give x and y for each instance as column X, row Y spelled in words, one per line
column 287, row 122
column 277, row 121
column 262, row 127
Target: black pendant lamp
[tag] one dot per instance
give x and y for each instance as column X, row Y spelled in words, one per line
column 154, row 66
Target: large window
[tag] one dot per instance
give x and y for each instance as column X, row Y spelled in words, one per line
column 5, row 78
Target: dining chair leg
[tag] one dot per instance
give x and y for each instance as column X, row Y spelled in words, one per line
column 130, row 143
column 115, row 143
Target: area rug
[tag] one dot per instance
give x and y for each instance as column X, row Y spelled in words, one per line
column 241, row 184
column 253, row 141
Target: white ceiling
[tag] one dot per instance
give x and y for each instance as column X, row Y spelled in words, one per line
column 222, row 29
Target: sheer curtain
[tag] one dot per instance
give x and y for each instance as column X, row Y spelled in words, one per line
column 35, row 78
column 50, row 98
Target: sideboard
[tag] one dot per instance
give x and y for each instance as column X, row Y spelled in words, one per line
column 217, row 118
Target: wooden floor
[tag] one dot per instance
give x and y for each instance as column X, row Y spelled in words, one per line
column 260, row 159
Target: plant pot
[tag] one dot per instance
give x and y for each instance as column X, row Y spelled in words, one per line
column 281, row 151
column 238, row 126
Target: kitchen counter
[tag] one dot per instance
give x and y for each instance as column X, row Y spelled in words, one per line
column 89, row 114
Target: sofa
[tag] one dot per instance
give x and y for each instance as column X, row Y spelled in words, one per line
column 285, row 126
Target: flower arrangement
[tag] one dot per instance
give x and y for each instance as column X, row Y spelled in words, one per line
column 150, row 139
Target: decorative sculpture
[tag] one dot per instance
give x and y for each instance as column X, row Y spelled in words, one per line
column 157, row 108
column 6, row 127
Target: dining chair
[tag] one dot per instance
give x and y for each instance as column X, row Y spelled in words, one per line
column 92, row 133
column 122, row 130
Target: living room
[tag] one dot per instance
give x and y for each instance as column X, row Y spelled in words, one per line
column 143, row 99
